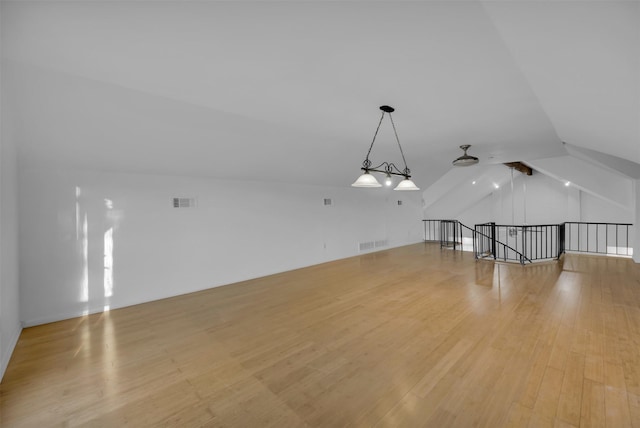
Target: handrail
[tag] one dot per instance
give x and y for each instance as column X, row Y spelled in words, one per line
column 431, row 230
column 604, row 237
column 522, row 256
column 599, row 222
column 536, row 242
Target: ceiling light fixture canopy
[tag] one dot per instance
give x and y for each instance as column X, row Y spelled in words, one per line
column 465, row 159
column 387, row 168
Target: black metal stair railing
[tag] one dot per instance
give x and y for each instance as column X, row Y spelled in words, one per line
column 489, row 244
column 528, row 243
column 432, row 230
column 535, row 242
column 450, row 235
column 447, row 232
column 598, row 238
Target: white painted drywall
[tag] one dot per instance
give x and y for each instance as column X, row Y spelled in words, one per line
column 10, row 327
column 588, row 177
column 594, row 209
column 481, row 212
column 540, row 199
column 239, row 230
column 636, row 255
column 537, row 199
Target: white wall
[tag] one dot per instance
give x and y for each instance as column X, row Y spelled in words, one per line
column 539, row 199
column 594, row 209
column 239, row 230
column 9, row 296
column 636, row 255
column 481, row 212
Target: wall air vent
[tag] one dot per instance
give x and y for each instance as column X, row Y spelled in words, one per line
column 381, row 243
column 370, row 245
column 184, row 202
column 365, row 246
column 328, row 202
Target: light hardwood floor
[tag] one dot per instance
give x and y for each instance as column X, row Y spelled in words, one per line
column 413, row 336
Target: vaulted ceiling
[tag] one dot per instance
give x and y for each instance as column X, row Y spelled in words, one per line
column 289, row 91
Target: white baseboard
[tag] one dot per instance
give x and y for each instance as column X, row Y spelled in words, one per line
column 8, row 351
column 60, row 317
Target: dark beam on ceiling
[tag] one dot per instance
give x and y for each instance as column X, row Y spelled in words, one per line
column 520, row 167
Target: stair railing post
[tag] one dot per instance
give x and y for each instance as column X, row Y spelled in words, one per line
column 524, row 243
column 493, row 239
column 475, row 248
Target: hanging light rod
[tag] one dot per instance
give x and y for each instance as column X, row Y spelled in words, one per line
column 387, row 168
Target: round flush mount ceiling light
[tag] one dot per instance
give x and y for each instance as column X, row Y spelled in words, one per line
column 465, row 159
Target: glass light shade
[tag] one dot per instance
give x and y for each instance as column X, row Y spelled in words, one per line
column 465, row 161
column 406, row 184
column 366, row 180
column 388, row 181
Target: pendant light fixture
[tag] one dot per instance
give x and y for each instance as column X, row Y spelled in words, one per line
column 465, row 159
column 388, row 168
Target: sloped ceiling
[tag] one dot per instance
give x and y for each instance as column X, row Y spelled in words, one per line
column 582, row 60
column 289, row 91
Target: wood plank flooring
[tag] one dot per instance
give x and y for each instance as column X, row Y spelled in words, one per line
column 413, row 336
